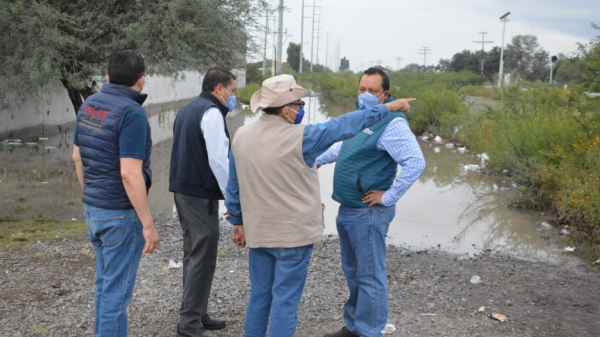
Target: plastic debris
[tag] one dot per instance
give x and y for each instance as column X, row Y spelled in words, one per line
column 476, row 279
column 481, row 309
column 450, row 145
column 484, row 157
column 570, row 249
column 498, row 317
column 437, row 150
column 74, row 219
column 389, row 328
column 44, row 183
column 7, row 148
column 462, row 149
column 425, row 137
column 495, row 187
column 545, row 225
column 438, row 140
column 513, row 185
column 175, row 215
column 14, row 144
column 175, row 265
column 43, row 138
column 564, row 231
column 472, row 167
column 597, row 262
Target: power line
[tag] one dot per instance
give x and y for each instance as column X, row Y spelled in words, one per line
column 483, row 42
column 399, row 59
column 425, row 51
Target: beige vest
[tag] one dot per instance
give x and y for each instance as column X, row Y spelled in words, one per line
column 279, row 193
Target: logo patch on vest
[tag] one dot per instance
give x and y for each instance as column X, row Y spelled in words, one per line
column 367, row 131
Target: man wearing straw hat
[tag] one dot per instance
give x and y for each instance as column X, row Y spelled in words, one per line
column 273, row 196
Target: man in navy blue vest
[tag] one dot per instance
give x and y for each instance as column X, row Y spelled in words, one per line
column 366, row 186
column 198, row 177
column 111, row 152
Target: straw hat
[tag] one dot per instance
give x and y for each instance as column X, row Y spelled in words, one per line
column 277, row 91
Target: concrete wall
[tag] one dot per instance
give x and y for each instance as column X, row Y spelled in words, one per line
column 50, row 108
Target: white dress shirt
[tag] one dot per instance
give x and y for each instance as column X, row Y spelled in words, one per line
column 217, row 145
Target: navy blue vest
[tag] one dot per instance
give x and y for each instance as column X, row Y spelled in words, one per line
column 190, row 173
column 98, row 123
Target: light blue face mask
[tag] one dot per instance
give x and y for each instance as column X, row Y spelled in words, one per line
column 367, row 99
column 231, row 101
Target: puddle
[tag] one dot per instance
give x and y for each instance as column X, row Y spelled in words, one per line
column 448, row 208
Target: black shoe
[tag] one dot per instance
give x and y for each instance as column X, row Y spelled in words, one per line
column 197, row 332
column 213, row 323
column 343, row 332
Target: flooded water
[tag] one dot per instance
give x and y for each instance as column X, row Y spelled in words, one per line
column 448, row 208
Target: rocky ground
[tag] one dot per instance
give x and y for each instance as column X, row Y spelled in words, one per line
column 46, row 289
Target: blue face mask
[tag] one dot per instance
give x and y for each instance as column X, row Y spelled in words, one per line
column 231, row 101
column 299, row 116
column 367, row 99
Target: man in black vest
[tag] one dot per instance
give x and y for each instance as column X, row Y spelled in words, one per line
column 198, row 177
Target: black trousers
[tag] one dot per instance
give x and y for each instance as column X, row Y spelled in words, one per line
column 200, row 223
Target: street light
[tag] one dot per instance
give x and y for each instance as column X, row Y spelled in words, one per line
column 552, row 59
column 503, row 18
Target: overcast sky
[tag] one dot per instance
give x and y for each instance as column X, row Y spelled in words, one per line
column 385, row 29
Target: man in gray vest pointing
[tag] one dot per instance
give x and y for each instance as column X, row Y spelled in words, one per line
column 273, row 196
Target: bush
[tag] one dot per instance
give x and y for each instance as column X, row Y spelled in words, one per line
column 245, row 94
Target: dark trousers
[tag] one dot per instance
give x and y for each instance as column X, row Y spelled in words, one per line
column 200, row 223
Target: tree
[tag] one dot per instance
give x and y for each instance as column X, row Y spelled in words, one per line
column 570, row 70
column 412, row 68
column 293, row 56
column 465, row 60
column 344, row 64
column 591, row 57
column 70, row 40
column 525, row 57
column 491, row 65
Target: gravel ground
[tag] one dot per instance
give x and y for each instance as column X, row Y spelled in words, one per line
column 46, row 289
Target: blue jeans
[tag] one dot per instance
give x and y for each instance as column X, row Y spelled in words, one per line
column 277, row 276
column 118, row 241
column 362, row 234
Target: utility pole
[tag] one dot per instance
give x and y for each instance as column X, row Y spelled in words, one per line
column 264, row 67
column 504, row 19
column 280, row 37
column 327, row 51
column 301, row 39
column 425, row 51
column 274, row 50
column 312, row 37
column 483, row 42
column 399, row 59
column 318, row 37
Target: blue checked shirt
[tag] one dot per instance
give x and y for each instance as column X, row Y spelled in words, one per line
column 401, row 144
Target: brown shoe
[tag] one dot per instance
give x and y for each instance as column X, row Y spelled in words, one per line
column 343, row 332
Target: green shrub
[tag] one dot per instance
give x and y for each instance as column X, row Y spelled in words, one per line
column 245, row 94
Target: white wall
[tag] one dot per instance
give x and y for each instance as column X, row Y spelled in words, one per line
column 51, row 106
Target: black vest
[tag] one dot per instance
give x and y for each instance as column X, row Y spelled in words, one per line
column 190, row 172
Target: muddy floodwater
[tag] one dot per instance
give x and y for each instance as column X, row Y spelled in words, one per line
column 448, row 208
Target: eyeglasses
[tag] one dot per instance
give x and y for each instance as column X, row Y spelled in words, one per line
column 301, row 104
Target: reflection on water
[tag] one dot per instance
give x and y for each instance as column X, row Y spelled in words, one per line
column 448, row 208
